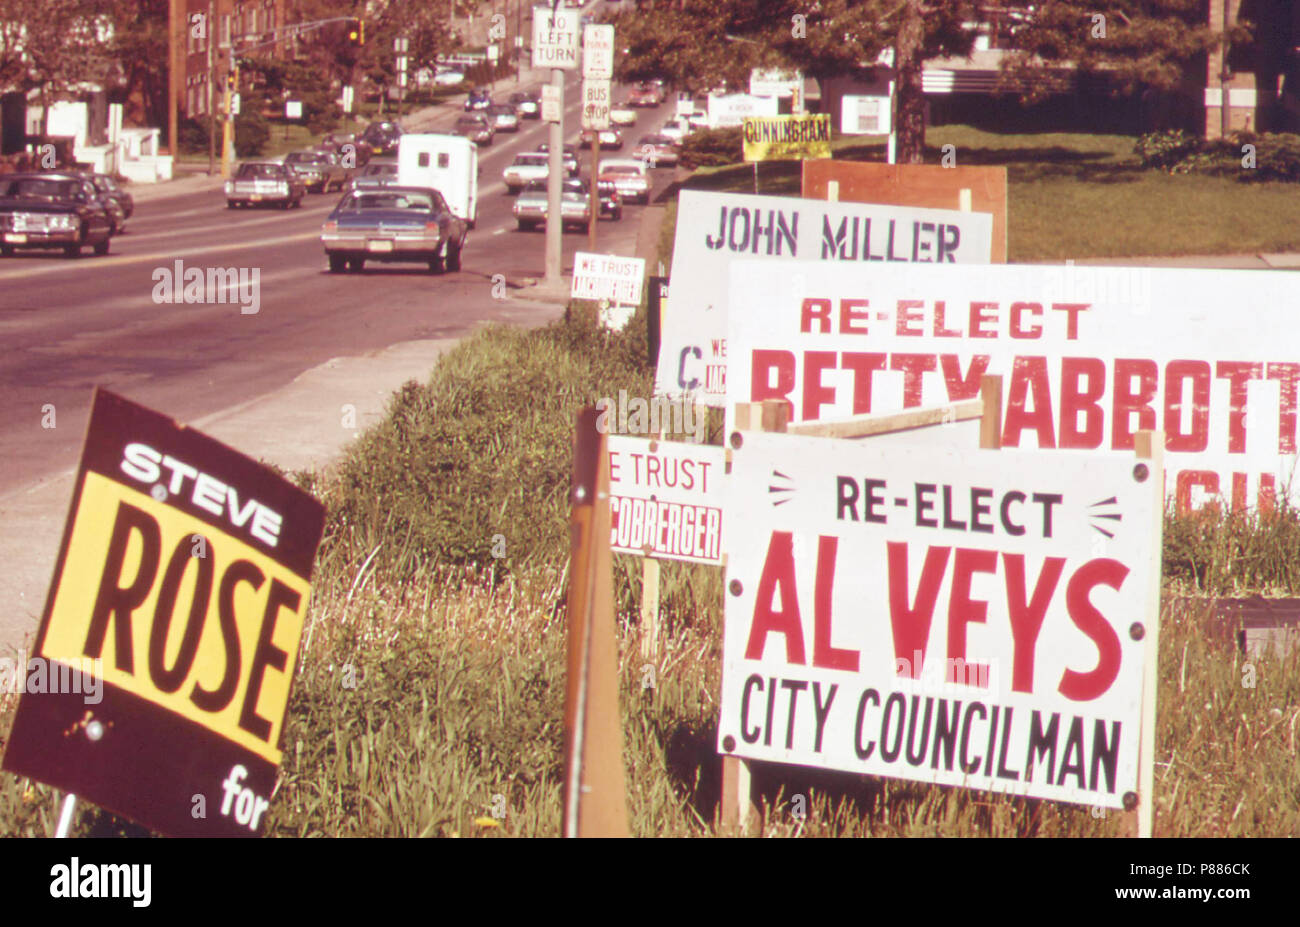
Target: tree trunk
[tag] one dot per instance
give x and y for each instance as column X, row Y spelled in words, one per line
column 909, row 88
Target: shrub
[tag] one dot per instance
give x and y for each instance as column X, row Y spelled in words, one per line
column 712, row 148
column 1166, row 149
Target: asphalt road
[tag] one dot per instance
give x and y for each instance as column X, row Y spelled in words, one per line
column 69, row 325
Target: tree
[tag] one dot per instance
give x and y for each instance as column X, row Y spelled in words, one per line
column 139, row 47
column 56, row 47
column 698, row 43
column 1138, row 44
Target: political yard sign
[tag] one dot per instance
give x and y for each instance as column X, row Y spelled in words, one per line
column 961, row 617
column 787, row 138
column 181, row 587
column 665, row 499
column 1089, row 356
column 713, row 229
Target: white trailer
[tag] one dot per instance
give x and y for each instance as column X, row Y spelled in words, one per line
column 447, row 163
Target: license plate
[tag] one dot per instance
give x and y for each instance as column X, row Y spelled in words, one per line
column 379, row 246
column 15, row 239
column 256, row 197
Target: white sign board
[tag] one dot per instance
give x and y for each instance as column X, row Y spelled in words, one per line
column 1088, row 355
column 551, row 103
column 607, row 276
column 715, row 228
column 958, row 617
column 732, row 109
column 596, row 101
column 863, row 115
column 685, row 105
column 292, row 109
column 555, row 38
column 773, row 82
column 597, row 52
column 665, row 499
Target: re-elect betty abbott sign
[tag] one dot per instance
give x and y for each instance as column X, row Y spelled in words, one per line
column 960, row 617
column 1089, row 356
column 713, row 229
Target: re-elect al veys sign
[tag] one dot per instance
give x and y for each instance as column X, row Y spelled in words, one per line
column 960, row 617
column 1088, row 355
column 181, row 588
column 713, row 229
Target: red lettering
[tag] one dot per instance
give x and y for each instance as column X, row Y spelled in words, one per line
column 849, row 315
column 1076, row 398
column 963, row 387
column 1072, row 323
column 979, row 314
column 1208, row 480
column 863, row 366
column 815, row 395
column 825, row 655
column 911, row 624
column 1036, row 331
column 1129, row 400
column 963, row 610
column 760, row 385
column 1027, row 617
column 777, row 578
column 1083, row 687
column 1238, row 374
column 1029, row 374
column 1198, row 438
column 1288, row 376
column 939, row 330
column 901, row 326
column 815, row 310
column 913, row 366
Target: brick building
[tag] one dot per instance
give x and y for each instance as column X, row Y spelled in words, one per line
column 252, row 25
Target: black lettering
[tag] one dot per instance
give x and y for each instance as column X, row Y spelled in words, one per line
column 113, row 601
column 241, row 571
column 977, row 509
column 266, row 654
column 864, row 753
column 170, row 680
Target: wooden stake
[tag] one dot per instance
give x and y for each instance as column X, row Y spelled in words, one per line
column 595, row 801
column 991, row 424
column 1149, row 447
column 649, row 607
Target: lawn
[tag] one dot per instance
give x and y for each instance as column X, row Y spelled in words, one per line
column 1082, row 196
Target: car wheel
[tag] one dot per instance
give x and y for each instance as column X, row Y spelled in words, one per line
column 6, row 251
column 338, row 263
column 102, row 247
column 356, row 265
column 452, row 258
column 230, row 204
column 435, row 264
column 526, row 226
column 72, row 250
column 286, row 204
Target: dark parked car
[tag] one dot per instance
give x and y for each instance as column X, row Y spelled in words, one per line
column 111, row 191
column 381, row 138
column 270, row 182
column 379, row 170
column 476, row 127
column 611, row 201
column 318, row 170
column 527, row 103
column 393, row 224
column 52, row 211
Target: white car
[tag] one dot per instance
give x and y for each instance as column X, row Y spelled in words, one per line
column 448, row 78
column 629, row 176
column 622, row 115
column 676, row 129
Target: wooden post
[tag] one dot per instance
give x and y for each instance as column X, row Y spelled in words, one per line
column 991, row 423
column 1149, row 447
column 649, row 607
column 595, row 801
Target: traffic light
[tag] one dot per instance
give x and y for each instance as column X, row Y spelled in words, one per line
column 357, row 32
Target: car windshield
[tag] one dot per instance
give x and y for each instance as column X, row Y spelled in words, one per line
column 531, row 160
column 58, row 189
column 389, row 199
column 260, row 171
column 623, row 169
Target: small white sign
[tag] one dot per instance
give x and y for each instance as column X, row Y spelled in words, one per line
column 598, row 52
column 665, row 497
column 865, row 115
column 608, row 276
column 293, row 109
column 773, row 82
column 555, row 38
column 596, row 101
column 551, row 103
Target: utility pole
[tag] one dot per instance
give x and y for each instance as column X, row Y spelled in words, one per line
column 554, row 186
column 212, row 116
column 175, row 26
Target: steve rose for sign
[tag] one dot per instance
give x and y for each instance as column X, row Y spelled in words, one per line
column 959, row 617
column 1088, row 355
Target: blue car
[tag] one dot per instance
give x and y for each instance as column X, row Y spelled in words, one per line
column 393, row 223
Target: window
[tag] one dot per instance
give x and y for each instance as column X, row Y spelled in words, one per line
column 423, row 160
column 444, row 160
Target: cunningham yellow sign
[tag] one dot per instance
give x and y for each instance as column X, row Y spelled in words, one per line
column 787, row 138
